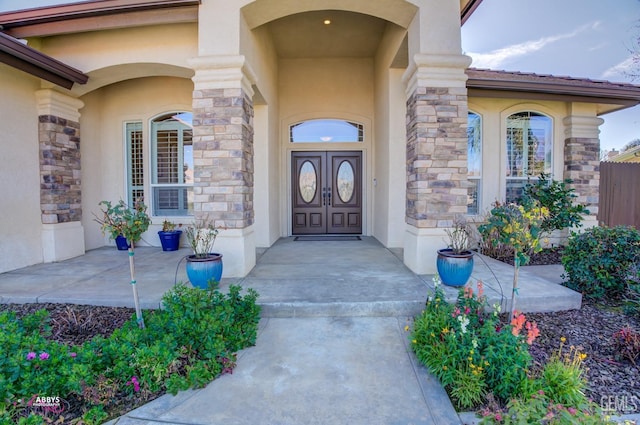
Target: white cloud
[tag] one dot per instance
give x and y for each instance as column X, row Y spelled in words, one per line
column 621, row 69
column 497, row 58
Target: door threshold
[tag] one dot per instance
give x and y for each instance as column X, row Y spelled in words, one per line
column 313, row 238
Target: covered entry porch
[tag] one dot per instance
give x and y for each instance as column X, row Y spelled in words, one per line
column 294, row 279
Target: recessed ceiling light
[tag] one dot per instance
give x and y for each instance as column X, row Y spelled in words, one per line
column 327, row 21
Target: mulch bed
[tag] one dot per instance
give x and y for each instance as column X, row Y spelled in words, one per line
column 544, row 257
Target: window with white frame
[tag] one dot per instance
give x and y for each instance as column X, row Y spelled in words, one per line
column 529, row 150
column 172, row 166
column 325, row 131
column 474, row 161
column 135, row 162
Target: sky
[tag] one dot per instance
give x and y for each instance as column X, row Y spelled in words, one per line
column 577, row 38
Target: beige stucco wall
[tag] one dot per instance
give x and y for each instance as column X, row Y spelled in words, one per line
column 21, row 224
column 102, row 148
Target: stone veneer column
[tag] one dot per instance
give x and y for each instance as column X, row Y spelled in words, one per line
column 223, row 156
column 437, row 188
column 60, row 185
column 582, row 161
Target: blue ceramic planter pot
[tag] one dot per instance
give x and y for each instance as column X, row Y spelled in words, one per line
column 170, row 240
column 201, row 270
column 121, row 243
column 454, row 269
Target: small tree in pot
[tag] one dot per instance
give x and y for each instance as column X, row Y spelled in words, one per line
column 131, row 223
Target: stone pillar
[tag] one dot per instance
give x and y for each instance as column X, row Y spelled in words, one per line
column 582, row 161
column 223, row 156
column 436, row 154
column 60, row 185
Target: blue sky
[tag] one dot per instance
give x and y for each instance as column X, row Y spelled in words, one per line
column 580, row 38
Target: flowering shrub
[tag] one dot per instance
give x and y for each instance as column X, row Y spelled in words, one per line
column 469, row 350
column 186, row 345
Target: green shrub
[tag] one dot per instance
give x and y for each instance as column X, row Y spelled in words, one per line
column 601, row 261
column 558, row 198
column 187, row 345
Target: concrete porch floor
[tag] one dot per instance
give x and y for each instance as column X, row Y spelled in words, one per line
column 293, row 278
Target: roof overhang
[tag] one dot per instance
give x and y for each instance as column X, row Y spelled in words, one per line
column 27, row 59
column 502, row 84
column 467, row 7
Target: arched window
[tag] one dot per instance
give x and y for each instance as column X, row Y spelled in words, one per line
column 172, row 167
column 326, row 131
column 529, row 147
column 474, row 161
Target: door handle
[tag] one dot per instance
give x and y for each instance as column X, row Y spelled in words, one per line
column 324, row 196
column 329, row 195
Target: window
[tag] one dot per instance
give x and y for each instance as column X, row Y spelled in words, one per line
column 529, row 147
column 135, row 164
column 326, row 130
column 172, row 171
column 474, row 161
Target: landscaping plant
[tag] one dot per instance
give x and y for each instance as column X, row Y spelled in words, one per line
column 558, row 198
column 518, row 227
column 602, row 261
column 471, row 351
column 186, row 345
column 131, row 223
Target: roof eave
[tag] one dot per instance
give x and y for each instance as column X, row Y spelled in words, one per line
column 468, row 9
column 27, row 59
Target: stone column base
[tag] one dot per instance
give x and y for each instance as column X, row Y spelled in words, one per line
column 62, row 241
column 238, row 249
column 421, row 247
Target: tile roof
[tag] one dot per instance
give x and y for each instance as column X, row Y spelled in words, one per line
column 486, row 79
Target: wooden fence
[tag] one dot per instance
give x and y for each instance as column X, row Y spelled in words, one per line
column 619, row 194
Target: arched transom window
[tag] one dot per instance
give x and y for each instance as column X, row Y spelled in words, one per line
column 326, row 131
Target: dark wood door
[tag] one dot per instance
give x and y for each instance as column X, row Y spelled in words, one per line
column 327, row 192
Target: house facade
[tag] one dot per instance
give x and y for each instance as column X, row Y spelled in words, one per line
column 273, row 118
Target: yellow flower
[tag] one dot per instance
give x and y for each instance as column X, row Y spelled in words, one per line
column 471, row 351
column 406, row 328
column 583, row 356
column 445, row 331
column 414, row 341
column 444, row 368
column 563, row 339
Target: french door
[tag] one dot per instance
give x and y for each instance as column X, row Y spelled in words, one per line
column 326, row 192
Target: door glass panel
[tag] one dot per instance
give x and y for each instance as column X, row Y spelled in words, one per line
column 307, row 181
column 346, row 181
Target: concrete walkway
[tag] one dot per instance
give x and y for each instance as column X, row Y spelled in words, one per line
column 331, row 347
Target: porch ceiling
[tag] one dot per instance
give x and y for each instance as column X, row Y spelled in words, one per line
column 305, row 35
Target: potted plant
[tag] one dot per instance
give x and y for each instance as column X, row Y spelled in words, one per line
column 170, row 236
column 455, row 263
column 204, row 265
column 129, row 223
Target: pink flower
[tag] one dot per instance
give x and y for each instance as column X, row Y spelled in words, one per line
column 467, row 310
column 480, row 289
column 498, row 417
column 135, row 383
column 572, row 410
column 72, row 354
column 44, row 355
column 31, row 355
column 517, row 322
column 532, row 332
